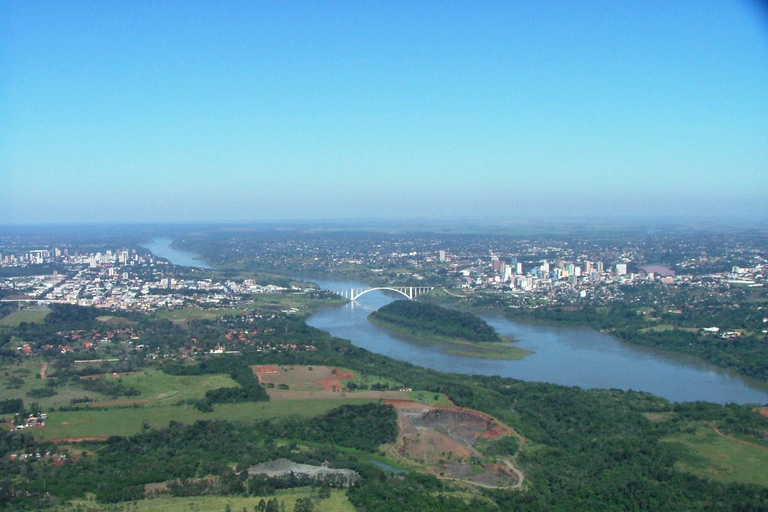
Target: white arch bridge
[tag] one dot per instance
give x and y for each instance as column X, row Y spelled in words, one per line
column 409, row 292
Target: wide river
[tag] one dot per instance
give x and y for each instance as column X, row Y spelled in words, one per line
column 562, row 355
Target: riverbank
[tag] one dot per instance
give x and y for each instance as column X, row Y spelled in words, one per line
column 503, row 350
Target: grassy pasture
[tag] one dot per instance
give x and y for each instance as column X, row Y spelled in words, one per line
column 157, row 387
column 24, row 315
column 428, row 398
column 337, row 502
column 187, row 314
column 115, row 320
column 164, row 389
column 288, row 301
column 370, row 380
column 28, row 373
column 126, row 421
column 710, row 455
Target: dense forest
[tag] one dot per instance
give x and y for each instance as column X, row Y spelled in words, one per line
column 434, row 321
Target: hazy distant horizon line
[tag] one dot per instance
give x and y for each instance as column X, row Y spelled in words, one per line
column 490, row 220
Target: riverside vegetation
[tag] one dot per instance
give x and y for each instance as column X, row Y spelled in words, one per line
column 470, row 334
column 585, row 449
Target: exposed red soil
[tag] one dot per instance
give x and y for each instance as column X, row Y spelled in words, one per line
column 334, row 380
column 75, row 439
column 120, row 402
column 496, row 431
column 43, row 370
column 265, row 370
column 762, row 410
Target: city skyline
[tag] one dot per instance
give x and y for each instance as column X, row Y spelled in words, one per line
column 263, row 112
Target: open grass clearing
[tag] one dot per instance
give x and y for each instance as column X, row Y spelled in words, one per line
column 126, row 421
column 24, row 315
column 18, row 380
column 337, row 502
column 710, row 455
column 156, row 387
column 425, row 397
column 115, row 320
column 189, row 314
column 504, row 351
column 657, row 417
column 164, row 389
column 290, row 302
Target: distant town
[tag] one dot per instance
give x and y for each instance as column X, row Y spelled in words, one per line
column 128, row 280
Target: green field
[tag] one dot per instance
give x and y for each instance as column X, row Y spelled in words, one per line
column 489, row 351
column 710, row 455
column 371, row 380
column 188, row 314
column 337, row 502
column 288, row 302
column 164, row 389
column 126, row 421
column 116, row 320
column 429, row 398
column 157, row 387
column 24, row 315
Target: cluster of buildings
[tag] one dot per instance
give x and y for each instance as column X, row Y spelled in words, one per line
column 118, row 279
column 567, row 281
column 546, row 274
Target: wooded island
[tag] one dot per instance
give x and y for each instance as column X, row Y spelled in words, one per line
column 435, row 321
column 470, row 333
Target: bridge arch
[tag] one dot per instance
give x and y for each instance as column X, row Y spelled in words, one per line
column 401, row 292
column 409, row 292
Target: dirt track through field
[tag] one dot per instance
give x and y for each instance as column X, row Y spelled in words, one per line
column 43, row 370
column 717, row 429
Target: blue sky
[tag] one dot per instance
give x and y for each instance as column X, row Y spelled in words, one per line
column 240, row 111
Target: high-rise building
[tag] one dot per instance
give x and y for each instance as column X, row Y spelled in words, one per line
column 518, row 268
column 441, row 255
column 496, row 263
column 599, row 265
column 621, row 269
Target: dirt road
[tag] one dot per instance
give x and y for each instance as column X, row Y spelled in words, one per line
column 717, row 429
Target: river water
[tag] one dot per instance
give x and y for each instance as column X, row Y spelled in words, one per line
column 562, row 355
column 161, row 247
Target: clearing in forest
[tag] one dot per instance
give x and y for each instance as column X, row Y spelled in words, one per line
column 722, row 458
column 295, row 382
column 451, row 443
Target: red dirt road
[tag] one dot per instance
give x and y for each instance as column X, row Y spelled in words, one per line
column 717, row 429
